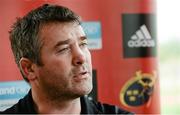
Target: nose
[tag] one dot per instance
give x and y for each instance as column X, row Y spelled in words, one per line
column 78, row 56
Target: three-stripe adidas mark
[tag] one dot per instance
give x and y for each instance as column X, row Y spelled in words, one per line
column 141, row 38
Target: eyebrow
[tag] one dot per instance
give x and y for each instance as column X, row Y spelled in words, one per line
column 62, row 43
column 68, row 41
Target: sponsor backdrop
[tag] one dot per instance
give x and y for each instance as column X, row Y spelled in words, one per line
column 122, row 40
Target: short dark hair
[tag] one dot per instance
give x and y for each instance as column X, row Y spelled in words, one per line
column 24, row 33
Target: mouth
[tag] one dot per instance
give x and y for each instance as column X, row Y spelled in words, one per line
column 81, row 76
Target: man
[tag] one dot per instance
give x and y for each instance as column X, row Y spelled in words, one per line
column 50, row 48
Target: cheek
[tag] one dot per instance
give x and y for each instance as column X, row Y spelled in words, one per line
column 53, row 74
column 59, row 63
column 89, row 57
column 55, row 67
column 89, row 63
column 62, row 67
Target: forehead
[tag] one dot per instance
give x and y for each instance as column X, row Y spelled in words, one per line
column 60, row 31
column 59, row 28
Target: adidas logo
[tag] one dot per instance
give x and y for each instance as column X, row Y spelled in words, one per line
column 141, row 38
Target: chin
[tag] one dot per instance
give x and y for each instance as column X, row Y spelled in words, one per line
column 88, row 91
column 84, row 91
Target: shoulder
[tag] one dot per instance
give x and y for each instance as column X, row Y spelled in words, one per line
column 24, row 105
column 101, row 108
column 110, row 109
column 14, row 109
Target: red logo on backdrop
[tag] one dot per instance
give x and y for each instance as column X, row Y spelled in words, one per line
column 138, row 90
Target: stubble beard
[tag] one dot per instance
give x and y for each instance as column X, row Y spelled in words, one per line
column 70, row 90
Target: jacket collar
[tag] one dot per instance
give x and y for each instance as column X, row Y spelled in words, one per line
column 88, row 106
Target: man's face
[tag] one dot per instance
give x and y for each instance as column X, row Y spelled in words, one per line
column 67, row 69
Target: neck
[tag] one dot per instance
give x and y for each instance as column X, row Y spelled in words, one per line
column 45, row 105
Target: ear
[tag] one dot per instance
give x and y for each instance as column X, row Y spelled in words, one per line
column 27, row 68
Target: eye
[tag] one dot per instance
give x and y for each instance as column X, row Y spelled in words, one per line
column 62, row 50
column 83, row 43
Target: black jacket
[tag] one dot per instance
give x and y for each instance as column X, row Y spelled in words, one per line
column 25, row 106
